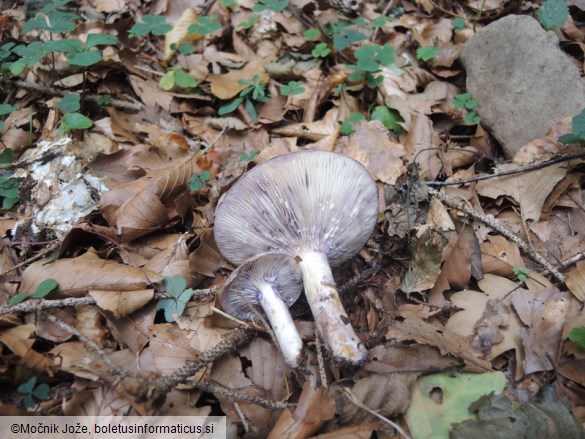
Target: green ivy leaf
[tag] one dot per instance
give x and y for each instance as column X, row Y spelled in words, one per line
column 552, row 14
column 70, row 103
column 44, row 288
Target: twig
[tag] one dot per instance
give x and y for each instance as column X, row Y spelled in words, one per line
column 242, row 417
column 116, row 103
column 490, row 221
column 36, row 305
column 237, row 338
column 361, row 405
column 101, row 354
column 39, row 255
column 518, row 170
column 234, row 394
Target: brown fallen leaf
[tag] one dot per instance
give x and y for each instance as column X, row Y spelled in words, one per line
column 145, row 205
column 76, row 276
column 500, row 256
column 387, row 394
column 122, row 303
column 315, row 407
column 448, row 342
column 414, row 358
column 19, row 341
column 576, row 281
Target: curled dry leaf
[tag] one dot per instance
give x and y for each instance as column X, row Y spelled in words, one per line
column 387, row 395
column 76, row 276
column 576, row 281
column 315, row 407
column 19, row 341
column 122, row 303
column 180, row 31
column 140, row 207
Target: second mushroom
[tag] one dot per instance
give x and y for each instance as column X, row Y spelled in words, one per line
column 320, row 208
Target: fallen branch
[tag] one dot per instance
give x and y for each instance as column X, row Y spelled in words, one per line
column 490, row 221
column 36, row 305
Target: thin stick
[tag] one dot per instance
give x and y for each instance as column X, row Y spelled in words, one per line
column 36, row 305
column 361, row 405
column 490, row 221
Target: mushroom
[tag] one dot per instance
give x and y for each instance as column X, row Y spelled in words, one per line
column 319, row 207
column 273, row 282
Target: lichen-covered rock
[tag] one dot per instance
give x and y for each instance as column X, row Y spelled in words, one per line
column 521, row 79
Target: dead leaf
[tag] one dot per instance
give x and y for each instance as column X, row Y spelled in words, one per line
column 76, row 276
column 122, row 303
column 19, row 341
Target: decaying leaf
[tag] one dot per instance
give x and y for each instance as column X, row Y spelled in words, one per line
column 19, row 341
column 121, row 303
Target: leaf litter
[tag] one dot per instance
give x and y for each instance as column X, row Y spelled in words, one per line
column 445, row 314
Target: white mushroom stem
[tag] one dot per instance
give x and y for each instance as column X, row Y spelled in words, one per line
column 282, row 324
column 331, row 319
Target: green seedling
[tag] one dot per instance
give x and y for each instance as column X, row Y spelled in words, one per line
column 197, row 181
column 465, row 102
column 347, row 124
column 577, row 335
column 254, row 92
column 205, row 26
column 426, row 53
column 343, row 35
column 577, row 132
column 250, row 23
column 176, row 288
column 151, row 24
column 390, row 118
column 458, row 24
column 176, row 77
column 32, row 392
column 552, row 14
column 42, row 291
column 52, row 20
column 248, row 156
column 292, row 88
column 104, row 100
column 184, row 48
column 4, row 110
column 312, row 34
column 370, row 60
column 521, row 273
column 273, row 5
column 321, row 50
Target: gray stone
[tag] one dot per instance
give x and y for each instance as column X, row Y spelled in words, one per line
column 521, row 79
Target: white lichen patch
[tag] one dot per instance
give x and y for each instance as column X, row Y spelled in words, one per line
column 57, row 191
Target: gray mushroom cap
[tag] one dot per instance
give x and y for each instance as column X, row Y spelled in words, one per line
column 298, row 202
column 241, row 290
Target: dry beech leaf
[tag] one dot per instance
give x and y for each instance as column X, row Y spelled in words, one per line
column 227, row 86
column 180, row 31
column 500, row 256
column 76, row 276
column 371, row 146
column 19, row 342
column 448, row 342
column 206, row 259
column 576, row 281
column 387, row 395
column 542, row 339
column 528, row 189
column 139, row 207
column 400, row 358
column 122, row 303
column 73, row 357
column 315, row 407
column 132, row 330
column 170, row 347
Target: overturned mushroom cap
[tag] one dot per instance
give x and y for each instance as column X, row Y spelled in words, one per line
column 299, row 202
column 242, row 291
column 271, row 281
